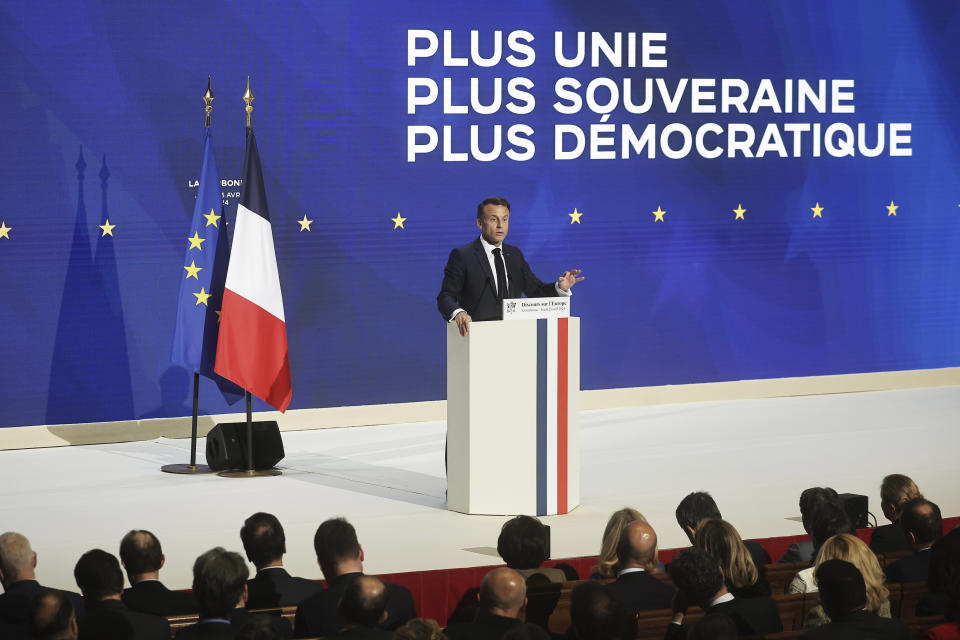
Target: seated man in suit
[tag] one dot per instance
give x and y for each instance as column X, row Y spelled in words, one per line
column 51, row 617
column 895, row 491
column 596, row 613
column 142, row 558
column 810, row 500
column 481, row 274
column 340, row 557
column 220, row 586
column 264, row 543
column 100, row 579
column 700, row 505
column 18, row 575
column 503, row 594
column 634, row 587
column 923, row 525
column 363, row 607
column 699, row 581
column 523, row 545
column 843, row 595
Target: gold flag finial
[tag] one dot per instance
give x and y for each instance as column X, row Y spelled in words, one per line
column 208, row 101
column 248, row 98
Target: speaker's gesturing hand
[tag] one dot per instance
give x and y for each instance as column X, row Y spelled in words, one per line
column 568, row 279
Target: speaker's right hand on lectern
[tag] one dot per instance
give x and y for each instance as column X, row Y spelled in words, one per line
column 463, row 322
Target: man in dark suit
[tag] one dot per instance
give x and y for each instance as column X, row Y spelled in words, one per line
column 923, row 525
column 698, row 506
column 50, row 617
column 596, row 613
column 264, row 543
column 100, row 579
column 634, row 587
column 220, row 586
column 362, row 608
column 810, row 500
column 699, row 581
column 895, row 491
column 503, row 594
column 340, row 557
column 844, row 596
column 142, row 558
column 18, row 575
column 481, row 274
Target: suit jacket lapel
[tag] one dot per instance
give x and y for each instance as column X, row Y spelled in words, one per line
column 481, row 256
column 513, row 271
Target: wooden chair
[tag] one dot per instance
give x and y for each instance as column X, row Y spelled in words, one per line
column 911, row 594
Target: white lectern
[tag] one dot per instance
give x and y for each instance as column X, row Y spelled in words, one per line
column 513, row 431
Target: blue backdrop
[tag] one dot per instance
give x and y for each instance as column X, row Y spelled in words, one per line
column 101, row 118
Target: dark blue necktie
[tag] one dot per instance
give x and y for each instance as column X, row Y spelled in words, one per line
column 501, row 274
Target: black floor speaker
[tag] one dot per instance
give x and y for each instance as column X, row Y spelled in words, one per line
column 856, row 507
column 227, row 445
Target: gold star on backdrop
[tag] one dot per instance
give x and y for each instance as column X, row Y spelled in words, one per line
column 659, row 213
column 398, row 221
column 892, row 209
column 305, row 223
column 107, row 228
column 575, row 216
column 739, row 211
column 817, row 211
column 5, row 230
column 202, row 297
column 211, row 219
column 193, row 270
column 196, row 241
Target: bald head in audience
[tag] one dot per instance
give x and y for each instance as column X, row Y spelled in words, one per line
column 51, row 617
column 638, row 546
column 17, row 560
column 503, row 592
column 364, row 602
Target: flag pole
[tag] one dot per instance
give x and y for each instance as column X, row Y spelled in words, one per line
column 193, row 467
column 249, row 472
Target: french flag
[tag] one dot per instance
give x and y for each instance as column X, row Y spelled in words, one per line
column 252, row 347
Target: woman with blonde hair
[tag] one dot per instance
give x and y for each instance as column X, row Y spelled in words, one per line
column 723, row 543
column 852, row 549
column 607, row 563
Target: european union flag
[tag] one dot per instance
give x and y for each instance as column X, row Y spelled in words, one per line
column 201, row 280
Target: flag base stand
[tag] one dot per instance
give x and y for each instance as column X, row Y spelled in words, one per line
column 250, row 473
column 190, row 469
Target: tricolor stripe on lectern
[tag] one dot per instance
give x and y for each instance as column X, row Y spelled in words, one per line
column 553, row 382
column 252, row 349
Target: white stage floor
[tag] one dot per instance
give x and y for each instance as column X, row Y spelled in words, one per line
column 754, row 456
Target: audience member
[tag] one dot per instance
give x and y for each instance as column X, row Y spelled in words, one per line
column 699, row 582
column 363, row 607
column 829, row 520
column 634, row 587
column 722, row 542
column 264, row 543
column 852, row 549
column 18, row 564
column 142, row 558
column 420, row 629
column 595, row 614
column 524, row 546
column 810, row 500
column 943, row 583
column 340, row 557
column 258, row 628
column 843, row 595
column 527, row 631
column 100, row 579
column 503, row 595
column 607, row 562
column 895, row 491
column 714, row 626
column 699, row 506
column 923, row 525
column 50, row 617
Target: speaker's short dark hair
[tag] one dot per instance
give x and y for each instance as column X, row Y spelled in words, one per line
column 523, row 542
column 334, row 542
column 498, row 202
column 140, row 552
column 828, row 520
column 49, row 615
column 841, row 586
column 922, row 518
column 695, row 507
column 361, row 607
column 263, row 538
column 697, row 575
column 219, row 577
column 98, row 575
column 596, row 613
